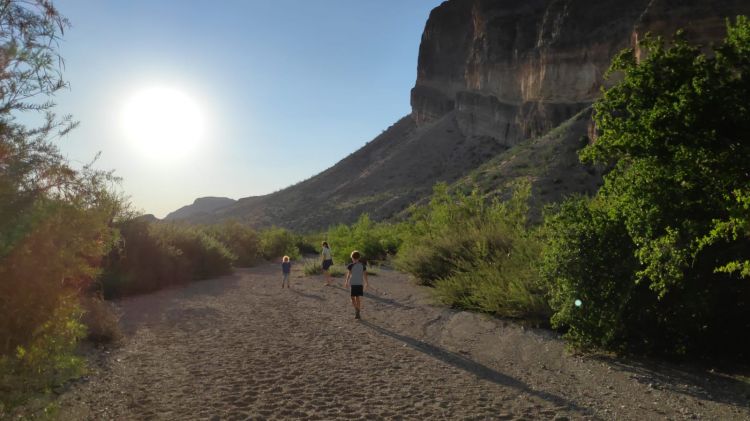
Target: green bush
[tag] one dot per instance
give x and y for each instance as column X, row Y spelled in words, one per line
column 241, row 240
column 152, row 256
column 48, row 359
column 478, row 255
column 589, row 259
column 276, row 243
column 505, row 283
column 374, row 241
column 204, row 256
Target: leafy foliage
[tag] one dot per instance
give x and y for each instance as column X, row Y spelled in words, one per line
column 152, row 256
column 241, row 240
column 374, row 241
column 277, row 242
column 55, row 221
column 671, row 218
column 478, row 255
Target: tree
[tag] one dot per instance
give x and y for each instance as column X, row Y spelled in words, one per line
column 55, row 221
column 675, row 131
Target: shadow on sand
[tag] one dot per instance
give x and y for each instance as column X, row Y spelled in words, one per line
column 689, row 380
column 477, row 369
column 379, row 299
column 303, row 294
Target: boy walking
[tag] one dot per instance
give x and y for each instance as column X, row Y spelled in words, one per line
column 357, row 278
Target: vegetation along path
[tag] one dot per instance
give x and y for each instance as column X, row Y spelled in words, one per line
column 240, row 347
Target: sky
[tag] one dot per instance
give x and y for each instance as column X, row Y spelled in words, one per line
column 283, row 89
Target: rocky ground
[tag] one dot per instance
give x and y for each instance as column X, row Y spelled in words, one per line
column 240, row 347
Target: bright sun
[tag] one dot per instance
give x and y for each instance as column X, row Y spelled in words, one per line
column 164, row 123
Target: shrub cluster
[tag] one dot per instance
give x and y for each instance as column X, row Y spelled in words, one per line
column 375, row 241
column 153, row 255
column 278, row 242
column 478, row 255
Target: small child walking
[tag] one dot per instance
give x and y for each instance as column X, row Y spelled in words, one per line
column 286, row 269
column 357, row 278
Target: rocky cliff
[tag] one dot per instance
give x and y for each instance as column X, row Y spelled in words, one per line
column 493, row 76
column 513, row 70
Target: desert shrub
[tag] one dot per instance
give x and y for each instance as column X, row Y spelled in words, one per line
column 312, row 267
column 277, row 242
column 142, row 262
column 375, row 241
column 101, row 320
column 506, row 282
column 152, row 256
column 456, row 228
column 478, row 255
column 46, row 360
column 241, row 240
column 205, row 256
column 670, row 223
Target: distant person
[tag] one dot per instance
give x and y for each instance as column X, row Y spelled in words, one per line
column 327, row 262
column 286, row 269
column 357, row 277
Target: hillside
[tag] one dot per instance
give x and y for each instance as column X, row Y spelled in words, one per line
column 495, row 82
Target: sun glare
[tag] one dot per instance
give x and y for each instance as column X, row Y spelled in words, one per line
column 164, row 123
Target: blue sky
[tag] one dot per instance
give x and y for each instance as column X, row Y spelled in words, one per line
column 287, row 88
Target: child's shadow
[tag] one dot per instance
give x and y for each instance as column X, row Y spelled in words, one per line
column 313, row 296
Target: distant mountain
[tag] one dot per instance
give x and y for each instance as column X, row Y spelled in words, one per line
column 503, row 90
column 149, row 217
column 200, row 207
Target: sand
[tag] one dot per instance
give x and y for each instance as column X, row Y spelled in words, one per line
column 240, row 347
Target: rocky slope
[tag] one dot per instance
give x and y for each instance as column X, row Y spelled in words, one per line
column 491, row 75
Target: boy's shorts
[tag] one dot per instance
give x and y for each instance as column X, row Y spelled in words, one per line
column 327, row 264
column 358, row 291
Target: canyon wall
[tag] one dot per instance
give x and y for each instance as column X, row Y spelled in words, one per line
column 514, row 69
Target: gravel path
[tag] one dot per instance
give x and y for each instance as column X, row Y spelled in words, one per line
column 240, row 347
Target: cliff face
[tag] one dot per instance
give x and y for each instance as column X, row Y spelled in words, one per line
column 514, row 69
column 494, row 77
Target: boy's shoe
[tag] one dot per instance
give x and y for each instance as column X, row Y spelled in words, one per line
column 356, row 314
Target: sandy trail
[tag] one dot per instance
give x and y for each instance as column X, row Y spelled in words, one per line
column 240, row 347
